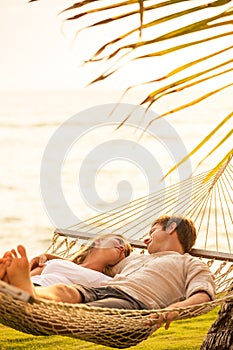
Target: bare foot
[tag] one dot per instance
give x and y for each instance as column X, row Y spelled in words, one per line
column 8, row 259
column 5, row 261
column 3, row 266
column 7, row 255
column 18, row 272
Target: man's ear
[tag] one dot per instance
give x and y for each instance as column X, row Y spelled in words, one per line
column 171, row 228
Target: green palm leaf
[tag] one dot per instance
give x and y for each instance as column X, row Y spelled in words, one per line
column 189, row 24
column 205, row 140
column 201, row 25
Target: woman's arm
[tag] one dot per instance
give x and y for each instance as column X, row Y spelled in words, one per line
column 39, row 261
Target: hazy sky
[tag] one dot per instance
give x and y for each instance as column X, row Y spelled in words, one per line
column 34, row 53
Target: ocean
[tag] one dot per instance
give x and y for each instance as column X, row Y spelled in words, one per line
column 98, row 164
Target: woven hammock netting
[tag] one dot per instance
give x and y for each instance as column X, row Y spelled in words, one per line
column 205, row 198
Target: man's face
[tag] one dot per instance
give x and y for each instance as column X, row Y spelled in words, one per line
column 157, row 239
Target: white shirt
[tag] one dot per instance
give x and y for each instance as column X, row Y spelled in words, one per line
column 67, row 272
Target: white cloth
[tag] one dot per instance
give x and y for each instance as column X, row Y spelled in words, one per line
column 64, row 271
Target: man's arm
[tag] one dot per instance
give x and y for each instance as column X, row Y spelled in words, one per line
column 168, row 317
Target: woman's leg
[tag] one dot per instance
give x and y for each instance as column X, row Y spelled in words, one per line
column 18, row 274
column 59, row 292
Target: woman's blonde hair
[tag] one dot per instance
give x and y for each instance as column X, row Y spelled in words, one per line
column 86, row 248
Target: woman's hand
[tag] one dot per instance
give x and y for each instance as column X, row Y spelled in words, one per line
column 38, row 261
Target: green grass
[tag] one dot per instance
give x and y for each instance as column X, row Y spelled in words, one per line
column 182, row 335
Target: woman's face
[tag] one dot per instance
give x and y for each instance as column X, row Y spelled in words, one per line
column 115, row 248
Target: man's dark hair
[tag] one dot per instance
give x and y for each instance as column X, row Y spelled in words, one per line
column 185, row 229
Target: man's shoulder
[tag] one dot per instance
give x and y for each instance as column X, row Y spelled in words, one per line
column 194, row 261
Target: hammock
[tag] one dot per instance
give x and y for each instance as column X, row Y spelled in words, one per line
column 205, row 198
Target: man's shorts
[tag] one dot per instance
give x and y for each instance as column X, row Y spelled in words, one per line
column 109, row 297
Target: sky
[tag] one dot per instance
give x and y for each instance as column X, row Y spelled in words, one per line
column 35, row 54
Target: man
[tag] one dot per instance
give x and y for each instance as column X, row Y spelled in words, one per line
column 166, row 277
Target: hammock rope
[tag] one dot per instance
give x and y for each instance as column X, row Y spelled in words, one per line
column 112, row 327
column 205, row 198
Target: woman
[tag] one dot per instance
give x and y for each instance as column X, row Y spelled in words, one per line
column 91, row 265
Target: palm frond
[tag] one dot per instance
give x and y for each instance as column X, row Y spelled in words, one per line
column 158, row 28
column 202, row 25
column 110, row 71
column 223, row 161
column 205, row 140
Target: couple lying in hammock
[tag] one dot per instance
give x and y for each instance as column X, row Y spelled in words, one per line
column 91, row 265
column 166, row 277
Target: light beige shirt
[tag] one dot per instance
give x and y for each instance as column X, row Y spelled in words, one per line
column 161, row 279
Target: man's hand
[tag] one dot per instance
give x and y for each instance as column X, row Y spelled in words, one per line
column 169, row 316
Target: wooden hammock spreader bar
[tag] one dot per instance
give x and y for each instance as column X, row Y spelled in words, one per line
column 201, row 253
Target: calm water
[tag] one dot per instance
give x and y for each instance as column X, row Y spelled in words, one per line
column 27, row 123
